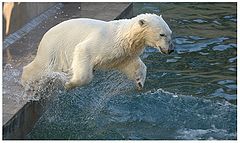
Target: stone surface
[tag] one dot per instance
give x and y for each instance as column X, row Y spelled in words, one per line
column 21, row 13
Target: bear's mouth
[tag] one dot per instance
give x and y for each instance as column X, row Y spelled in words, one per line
column 166, row 52
column 162, row 51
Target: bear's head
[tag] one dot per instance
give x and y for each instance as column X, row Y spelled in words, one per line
column 157, row 33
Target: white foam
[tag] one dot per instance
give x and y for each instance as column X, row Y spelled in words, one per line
column 175, row 95
column 190, row 134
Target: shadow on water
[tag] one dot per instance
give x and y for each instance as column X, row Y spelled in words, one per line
column 190, row 94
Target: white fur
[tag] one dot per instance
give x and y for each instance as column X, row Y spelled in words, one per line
column 83, row 45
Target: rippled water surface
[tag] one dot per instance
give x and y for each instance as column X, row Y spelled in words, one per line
column 190, row 94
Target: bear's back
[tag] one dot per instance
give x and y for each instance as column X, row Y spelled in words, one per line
column 68, row 34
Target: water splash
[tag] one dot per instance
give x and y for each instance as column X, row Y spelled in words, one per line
column 44, row 88
column 11, row 84
column 104, row 110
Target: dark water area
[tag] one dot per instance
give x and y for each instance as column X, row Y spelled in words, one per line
column 188, row 95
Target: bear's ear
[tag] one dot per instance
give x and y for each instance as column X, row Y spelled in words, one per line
column 142, row 22
column 161, row 16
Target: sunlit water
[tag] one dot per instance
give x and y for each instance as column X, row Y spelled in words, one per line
column 190, row 94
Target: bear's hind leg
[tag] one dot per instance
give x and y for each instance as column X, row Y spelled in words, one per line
column 28, row 74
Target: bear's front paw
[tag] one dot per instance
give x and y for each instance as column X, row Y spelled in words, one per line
column 139, row 84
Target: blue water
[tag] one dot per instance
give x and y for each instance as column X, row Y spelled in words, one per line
column 190, row 94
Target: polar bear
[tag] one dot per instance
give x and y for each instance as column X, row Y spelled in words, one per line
column 80, row 46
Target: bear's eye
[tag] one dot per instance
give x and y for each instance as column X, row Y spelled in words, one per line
column 162, row 35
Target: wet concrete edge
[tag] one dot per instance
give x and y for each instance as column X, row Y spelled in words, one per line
column 10, row 39
column 24, row 120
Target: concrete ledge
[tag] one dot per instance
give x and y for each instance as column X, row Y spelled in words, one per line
column 17, row 14
column 30, row 26
column 19, row 120
column 127, row 13
column 23, row 121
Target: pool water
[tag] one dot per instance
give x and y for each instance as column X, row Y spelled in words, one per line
column 190, row 94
